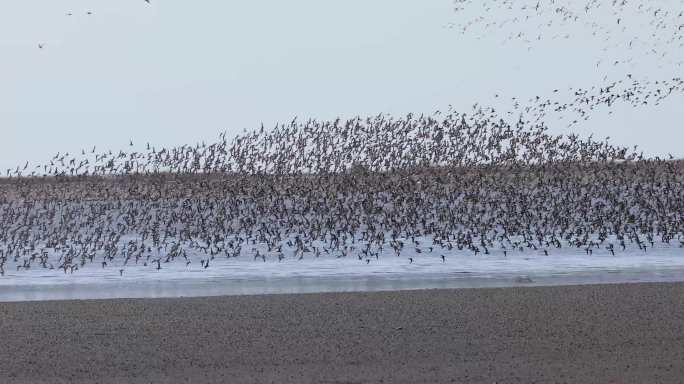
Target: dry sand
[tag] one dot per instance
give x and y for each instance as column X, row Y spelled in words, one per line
column 579, row 334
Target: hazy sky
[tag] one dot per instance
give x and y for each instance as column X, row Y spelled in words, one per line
column 182, row 71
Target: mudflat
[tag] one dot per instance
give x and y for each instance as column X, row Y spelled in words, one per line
column 625, row 333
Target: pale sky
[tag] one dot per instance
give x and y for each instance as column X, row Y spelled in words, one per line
column 182, row 71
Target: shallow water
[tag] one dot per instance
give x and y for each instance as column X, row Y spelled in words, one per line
column 282, row 285
column 244, row 275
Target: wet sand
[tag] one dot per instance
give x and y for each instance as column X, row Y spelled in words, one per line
column 630, row 333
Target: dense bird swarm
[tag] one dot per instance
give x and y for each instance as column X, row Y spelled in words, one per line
column 362, row 188
column 377, row 187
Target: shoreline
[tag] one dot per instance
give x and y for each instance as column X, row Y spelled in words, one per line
column 583, row 333
column 221, row 286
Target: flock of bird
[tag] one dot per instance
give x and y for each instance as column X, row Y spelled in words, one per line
column 628, row 31
column 364, row 189
column 584, row 102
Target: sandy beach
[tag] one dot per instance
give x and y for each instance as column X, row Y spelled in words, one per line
column 629, row 333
